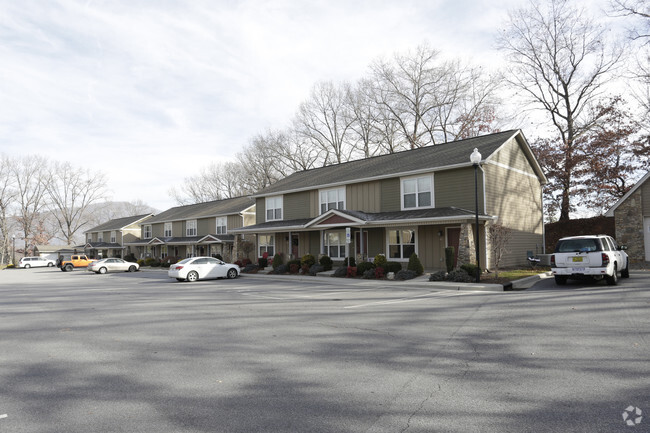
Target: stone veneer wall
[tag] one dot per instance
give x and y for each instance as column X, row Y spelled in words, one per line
column 466, row 248
column 629, row 227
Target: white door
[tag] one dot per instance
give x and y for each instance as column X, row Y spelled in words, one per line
column 646, row 237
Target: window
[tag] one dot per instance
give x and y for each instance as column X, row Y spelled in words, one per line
column 401, row 243
column 147, row 232
column 100, row 237
column 222, row 225
column 266, row 244
column 163, row 251
column 90, row 239
column 167, row 230
column 113, row 237
column 335, row 244
column 332, row 199
column 190, row 228
column 417, row 192
column 274, row 208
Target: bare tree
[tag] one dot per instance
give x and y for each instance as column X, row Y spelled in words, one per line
column 7, row 198
column 216, row 181
column 499, row 237
column 29, row 173
column 71, row 192
column 259, row 162
column 295, row 152
column 559, row 61
column 363, row 112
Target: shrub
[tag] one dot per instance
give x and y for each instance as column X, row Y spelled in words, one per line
column 449, row 258
column 169, row 260
column 362, row 267
column 352, row 271
column 165, row 265
column 341, row 272
column 308, row 260
column 326, row 263
column 394, row 267
column 379, row 272
column 470, row 268
column 369, row 274
column 294, row 262
column 294, row 268
column 352, row 263
column 263, row 262
column 459, row 276
column 277, row 261
column 250, row 268
column 380, row 261
column 218, row 256
column 155, row 264
column 415, row 264
column 438, row 276
column 281, row 269
column 140, row 262
column 130, row 258
column 316, row 269
column 148, row 261
column 405, row 275
column 246, row 262
column 238, row 263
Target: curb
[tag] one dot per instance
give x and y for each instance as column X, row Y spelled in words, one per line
column 528, row 282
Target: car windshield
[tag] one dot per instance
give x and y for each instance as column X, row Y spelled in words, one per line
column 578, row 246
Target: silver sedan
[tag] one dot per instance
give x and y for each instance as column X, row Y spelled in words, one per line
column 112, row 265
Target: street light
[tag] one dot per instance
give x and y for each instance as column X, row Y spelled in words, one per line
column 475, row 159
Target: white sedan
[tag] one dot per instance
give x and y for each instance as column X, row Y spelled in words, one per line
column 112, row 265
column 202, row 268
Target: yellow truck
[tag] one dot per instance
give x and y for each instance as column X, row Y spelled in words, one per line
column 74, row 261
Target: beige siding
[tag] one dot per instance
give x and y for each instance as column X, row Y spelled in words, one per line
column 516, row 199
column 512, row 156
column 390, row 195
column 260, row 213
column 234, row 222
column 376, row 242
column 296, row 205
column 365, row 197
column 314, row 204
column 205, row 226
column 645, row 198
column 314, row 243
column 157, row 229
column 457, row 188
column 178, row 228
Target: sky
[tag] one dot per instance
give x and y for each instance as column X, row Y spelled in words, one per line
column 150, row 92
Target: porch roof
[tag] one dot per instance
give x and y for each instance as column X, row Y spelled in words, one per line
column 102, row 245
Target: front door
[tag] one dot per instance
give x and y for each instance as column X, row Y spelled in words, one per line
column 453, row 240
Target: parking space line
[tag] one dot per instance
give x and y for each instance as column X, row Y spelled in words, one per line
column 411, row 299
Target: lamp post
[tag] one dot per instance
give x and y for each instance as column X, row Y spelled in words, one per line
column 13, row 250
column 475, row 159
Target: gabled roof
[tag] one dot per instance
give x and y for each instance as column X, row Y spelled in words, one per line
column 215, row 208
column 610, row 212
column 118, row 223
column 98, row 245
column 429, row 158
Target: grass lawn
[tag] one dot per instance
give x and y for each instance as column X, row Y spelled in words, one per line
column 508, row 275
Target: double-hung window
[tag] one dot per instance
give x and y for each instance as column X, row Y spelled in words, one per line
column 334, row 243
column 113, row 237
column 417, row 192
column 401, row 243
column 190, row 228
column 147, row 231
column 332, row 199
column 266, row 244
column 222, row 226
column 167, row 230
column 274, row 208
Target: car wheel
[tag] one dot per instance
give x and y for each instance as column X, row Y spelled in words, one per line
column 49, row 265
column 612, row 280
column 192, row 276
column 102, row 270
column 68, row 268
column 132, row 268
column 625, row 273
column 231, row 273
column 560, row 280
column 27, row 266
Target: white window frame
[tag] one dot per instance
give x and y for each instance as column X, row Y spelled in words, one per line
column 191, row 228
column 428, row 177
column 100, row 237
column 113, row 236
column 221, row 225
column 323, row 199
column 278, row 205
column 147, row 231
column 401, row 244
column 340, row 246
column 168, row 230
column 265, row 241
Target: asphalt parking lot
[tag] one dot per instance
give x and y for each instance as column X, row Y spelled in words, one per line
column 143, row 353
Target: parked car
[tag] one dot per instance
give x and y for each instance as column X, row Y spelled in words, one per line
column 33, row 262
column 202, row 268
column 596, row 256
column 112, row 265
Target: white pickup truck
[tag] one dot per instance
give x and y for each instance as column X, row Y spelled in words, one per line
column 598, row 256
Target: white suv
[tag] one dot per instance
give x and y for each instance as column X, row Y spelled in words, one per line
column 597, row 256
column 33, row 262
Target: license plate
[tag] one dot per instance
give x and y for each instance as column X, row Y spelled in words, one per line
column 578, row 269
column 577, row 259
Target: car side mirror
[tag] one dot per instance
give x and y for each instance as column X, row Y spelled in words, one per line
column 622, row 247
